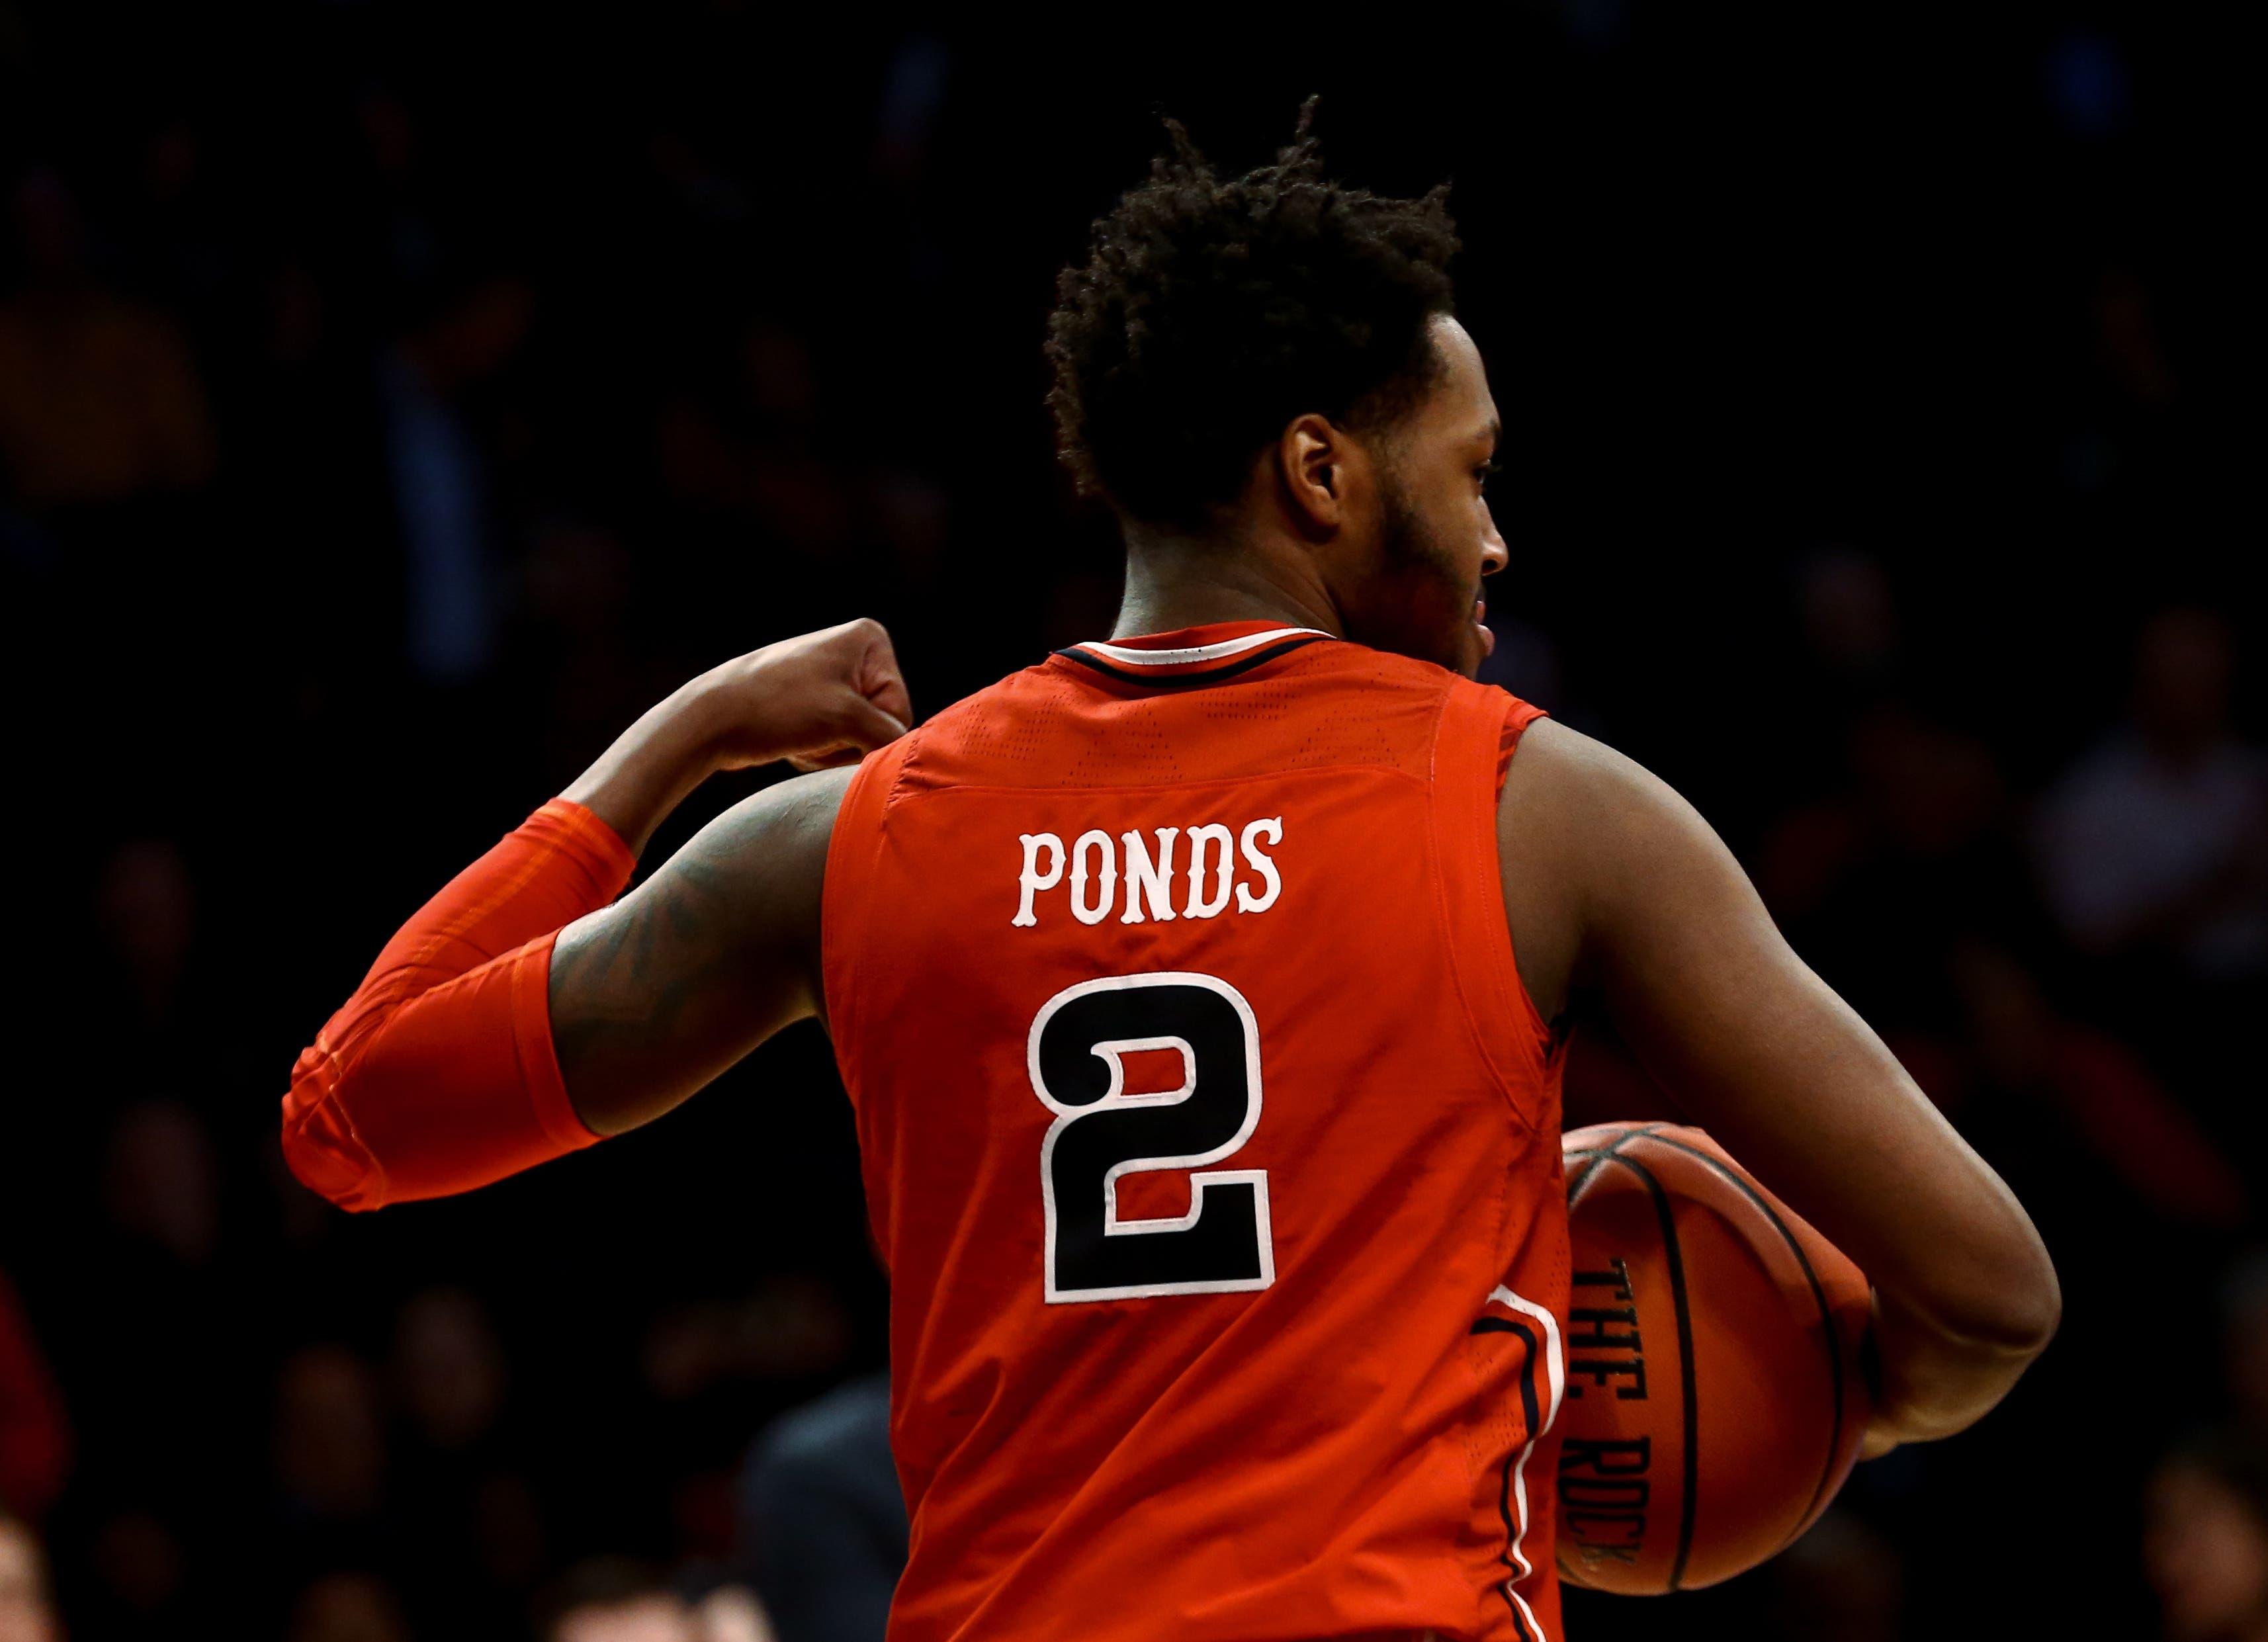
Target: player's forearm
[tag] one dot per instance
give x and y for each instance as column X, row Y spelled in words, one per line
column 1966, row 1296
column 651, row 766
column 1817, row 1106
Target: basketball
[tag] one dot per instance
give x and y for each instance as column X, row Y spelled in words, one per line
column 1715, row 1398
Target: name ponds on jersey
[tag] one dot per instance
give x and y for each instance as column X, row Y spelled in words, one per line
column 1223, row 868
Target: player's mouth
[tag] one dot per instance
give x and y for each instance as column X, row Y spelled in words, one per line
column 1488, row 634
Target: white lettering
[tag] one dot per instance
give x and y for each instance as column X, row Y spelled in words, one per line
column 1273, row 829
column 1199, row 905
column 1146, row 881
column 1108, row 878
column 1029, row 880
column 1216, row 853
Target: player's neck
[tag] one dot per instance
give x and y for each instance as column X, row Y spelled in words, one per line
column 1174, row 582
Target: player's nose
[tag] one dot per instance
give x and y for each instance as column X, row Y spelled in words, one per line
column 1494, row 555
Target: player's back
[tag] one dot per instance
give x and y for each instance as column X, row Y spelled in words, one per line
column 1212, row 1146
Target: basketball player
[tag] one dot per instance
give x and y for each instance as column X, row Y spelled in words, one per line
column 1199, row 991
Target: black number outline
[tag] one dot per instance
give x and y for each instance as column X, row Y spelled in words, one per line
column 1113, row 1051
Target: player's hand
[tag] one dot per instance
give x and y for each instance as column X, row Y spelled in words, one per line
column 824, row 699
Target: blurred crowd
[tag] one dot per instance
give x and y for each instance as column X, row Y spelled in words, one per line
column 377, row 440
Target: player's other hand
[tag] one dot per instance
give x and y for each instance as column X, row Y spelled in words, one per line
column 827, row 698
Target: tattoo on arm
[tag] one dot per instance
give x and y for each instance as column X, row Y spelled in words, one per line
column 654, row 995
column 630, row 973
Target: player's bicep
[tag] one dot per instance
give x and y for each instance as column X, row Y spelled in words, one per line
column 653, row 996
column 1769, row 1058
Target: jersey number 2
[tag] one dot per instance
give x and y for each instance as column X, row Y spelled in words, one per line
column 1077, row 1055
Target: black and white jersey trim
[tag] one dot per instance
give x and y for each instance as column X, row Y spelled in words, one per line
column 1194, row 664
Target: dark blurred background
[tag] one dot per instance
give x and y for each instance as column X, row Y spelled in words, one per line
column 395, row 401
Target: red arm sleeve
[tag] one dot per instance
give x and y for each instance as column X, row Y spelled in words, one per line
column 438, row 1074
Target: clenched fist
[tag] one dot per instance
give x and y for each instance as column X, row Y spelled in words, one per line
column 827, row 698
column 824, row 699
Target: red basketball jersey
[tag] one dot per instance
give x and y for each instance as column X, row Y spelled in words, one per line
column 1212, row 1144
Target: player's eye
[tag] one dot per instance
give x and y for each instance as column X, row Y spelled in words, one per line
column 1487, row 471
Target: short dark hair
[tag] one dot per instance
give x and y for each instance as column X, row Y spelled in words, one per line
column 1212, row 311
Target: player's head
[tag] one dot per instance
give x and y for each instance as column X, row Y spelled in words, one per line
column 1274, row 358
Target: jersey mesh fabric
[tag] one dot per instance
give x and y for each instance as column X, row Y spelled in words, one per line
column 1338, row 1439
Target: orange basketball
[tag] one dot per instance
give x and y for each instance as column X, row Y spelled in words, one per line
column 1714, row 1402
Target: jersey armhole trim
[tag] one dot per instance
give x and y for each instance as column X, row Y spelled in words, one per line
column 851, row 846
column 1479, row 728
column 1523, row 714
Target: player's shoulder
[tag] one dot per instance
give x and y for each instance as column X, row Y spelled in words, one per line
column 1569, row 773
column 1575, row 763
column 1593, row 813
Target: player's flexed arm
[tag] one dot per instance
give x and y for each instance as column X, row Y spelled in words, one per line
column 519, row 1015
column 1615, row 885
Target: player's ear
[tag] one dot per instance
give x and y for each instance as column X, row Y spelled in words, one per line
column 1313, row 465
